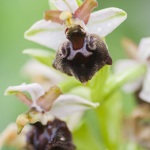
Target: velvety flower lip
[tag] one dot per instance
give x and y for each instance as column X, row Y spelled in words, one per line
column 51, row 34
column 44, row 106
column 139, row 55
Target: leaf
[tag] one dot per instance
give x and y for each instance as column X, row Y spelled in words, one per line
column 109, row 122
column 43, row 56
column 119, row 79
column 97, row 84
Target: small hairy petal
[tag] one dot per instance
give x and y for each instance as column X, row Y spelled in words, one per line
column 84, row 11
column 104, row 21
column 144, row 49
column 68, row 104
column 34, row 89
column 145, row 92
column 46, row 33
column 46, row 101
column 66, row 5
column 53, row 15
column 130, row 48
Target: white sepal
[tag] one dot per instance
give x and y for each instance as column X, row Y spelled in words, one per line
column 65, row 5
column 104, row 21
column 46, row 33
column 125, row 64
column 68, row 104
column 145, row 92
column 144, row 49
column 34, row 89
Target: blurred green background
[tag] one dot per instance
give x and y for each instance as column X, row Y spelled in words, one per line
column 16, row 16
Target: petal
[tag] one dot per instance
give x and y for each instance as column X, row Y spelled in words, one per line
column 105, row 21
column 46, row 101
column 133, row 86
column 126, row 64
column 68, row 104
column 32, row 116
column 43, row 56
column 130, row 48
column 34, row 89
column 144, row 49
column 84, row 11
column 65, row 5
column 53, row 15
column 123, row 64
column 9, row 137
column 46, row 33
column 145, row 92
column 38, row 71
column 74, row 121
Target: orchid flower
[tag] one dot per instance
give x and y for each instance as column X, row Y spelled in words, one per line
column 138, row 56
column 9, row 137
column 42, row 74
column 77, row 36
column 137, row 126
column 45, row 106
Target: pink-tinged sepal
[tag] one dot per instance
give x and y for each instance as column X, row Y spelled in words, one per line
column 53, row 15
column 84, row 11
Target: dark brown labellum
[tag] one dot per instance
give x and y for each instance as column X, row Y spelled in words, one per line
column 82, row 56
column 53, row 136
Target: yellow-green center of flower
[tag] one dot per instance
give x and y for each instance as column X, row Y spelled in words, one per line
column 67, row 17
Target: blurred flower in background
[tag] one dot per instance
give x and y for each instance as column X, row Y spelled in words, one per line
column 138, row 55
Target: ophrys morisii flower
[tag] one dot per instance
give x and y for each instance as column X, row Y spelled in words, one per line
column 45, row 111
column 45, row 106
column 78, row 35
column 139, row 55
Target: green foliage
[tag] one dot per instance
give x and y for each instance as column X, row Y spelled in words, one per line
column 43, row 56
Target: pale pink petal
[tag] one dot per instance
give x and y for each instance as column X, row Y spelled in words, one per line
column 53, row 15
column 130, row 48
column 84, row 11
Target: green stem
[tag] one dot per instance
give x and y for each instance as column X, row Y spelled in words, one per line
column 69, row 84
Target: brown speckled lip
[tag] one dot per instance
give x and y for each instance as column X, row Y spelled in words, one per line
column 81, row 66
column 53, row 136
